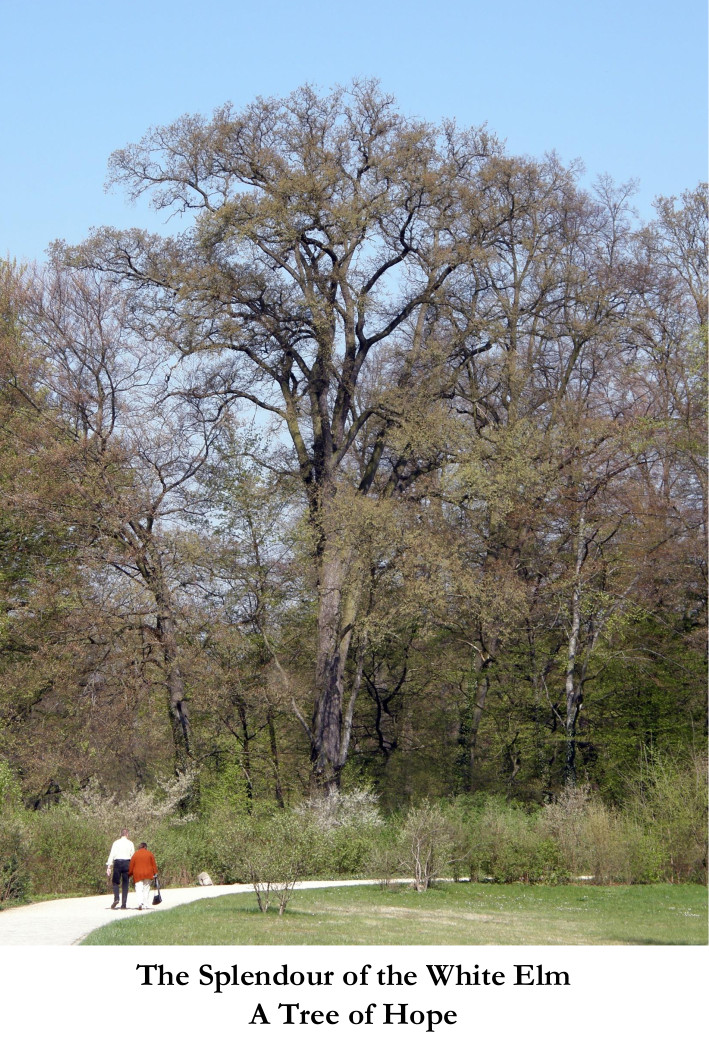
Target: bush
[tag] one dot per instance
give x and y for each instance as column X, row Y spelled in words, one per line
column 69, row 843
column 227, row 836
column 383, row 861
column 426, row 844
column 186, row 848
column 599, row 842
column 565, row 821
column 507, row 845
column 347, row 852
column 15, row 879
column 660, row 835
column 349, row 823
column 343, row 809
column 142, row 812
column 67, row 852
column 668, row 800
column 277, row 854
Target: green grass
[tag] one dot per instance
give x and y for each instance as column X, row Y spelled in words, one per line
column 450, row 914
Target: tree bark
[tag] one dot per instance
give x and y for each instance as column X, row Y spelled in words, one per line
column 332, row 719
column 273, row 742
column 336, row 610
column 572, row 690
column 246, row 754
column 176, row 694
column 473, row 710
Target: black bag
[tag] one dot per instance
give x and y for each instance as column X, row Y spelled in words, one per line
column 157, row 899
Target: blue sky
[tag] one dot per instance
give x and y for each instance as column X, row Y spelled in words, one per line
column 621, row 85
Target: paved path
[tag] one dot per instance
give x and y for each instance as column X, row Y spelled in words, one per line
column 68, row 921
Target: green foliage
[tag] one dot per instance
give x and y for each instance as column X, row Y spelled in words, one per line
column 68, row 851
column 505, row 846
column 9, row 788
column 659, row 835
column 669, row 802
column 15, row 872
column 67, row 844
column 15, row 864
column 224, row 790
column 597, row 841
column 347, row 851
column 228, row 835
column 348, row 824
column 184, row 849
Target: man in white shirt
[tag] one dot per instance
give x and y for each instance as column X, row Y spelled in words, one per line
column 119, row 859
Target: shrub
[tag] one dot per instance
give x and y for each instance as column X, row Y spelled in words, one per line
column 349, row 823
column 69, row 843
column 383, row 861
column 343, row 809
column 668, row 800
column 15, row 880
column 141, row 812
column 508, row 846
column 347, row 851
column 565, row 821
column 277, row 854
column 67, row 852
column 600, row 842
column 186, row 848
column 227, row 835
column 426, row 844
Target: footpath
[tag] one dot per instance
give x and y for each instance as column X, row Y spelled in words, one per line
column 68, row 921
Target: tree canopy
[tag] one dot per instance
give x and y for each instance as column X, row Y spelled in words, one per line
column 389, row 466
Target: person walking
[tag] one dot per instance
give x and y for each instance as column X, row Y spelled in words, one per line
column 143, row 869
column 119, row 860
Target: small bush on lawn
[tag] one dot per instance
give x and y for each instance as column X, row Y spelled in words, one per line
column 277, row 854
column 426, row 844
column 383, row 861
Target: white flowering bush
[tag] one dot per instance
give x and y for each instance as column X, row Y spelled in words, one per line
column 357, row 808
column 350, row 823
column 141, row 811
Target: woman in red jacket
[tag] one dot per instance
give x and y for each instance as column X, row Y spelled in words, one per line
column 143, row 870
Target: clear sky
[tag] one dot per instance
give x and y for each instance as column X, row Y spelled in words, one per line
column 620, row 84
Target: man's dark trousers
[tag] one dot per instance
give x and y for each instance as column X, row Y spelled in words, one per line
column 120, row 881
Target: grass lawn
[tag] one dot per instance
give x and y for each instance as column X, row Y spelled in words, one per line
column 453, row 913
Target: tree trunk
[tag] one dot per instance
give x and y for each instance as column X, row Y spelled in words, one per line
column 246, row 754
column 176, row 693
column 336, row 613
column 472, row 716
column 572, row 691
column 278, row 789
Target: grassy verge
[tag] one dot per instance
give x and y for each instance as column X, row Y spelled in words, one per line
column 450, row 914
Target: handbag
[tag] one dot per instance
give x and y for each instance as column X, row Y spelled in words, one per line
column 157, row 899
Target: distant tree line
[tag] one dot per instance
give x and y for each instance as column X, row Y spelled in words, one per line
column 387, row 470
